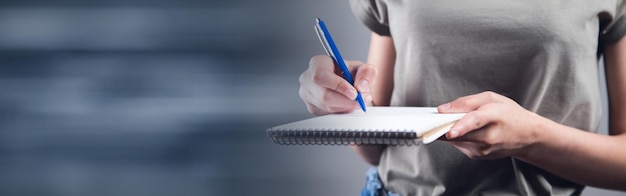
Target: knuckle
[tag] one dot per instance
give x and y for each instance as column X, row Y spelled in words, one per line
column 374, row 72
column 302, row 93
column 318, row 77
column 342, row 87
column 314, row 110
column 480, row 152
column 327, row 96
column 314, row 61
column 329, row 109
column 366, row 73
column 354, row 63
column 473, row 156
column 491, row 107
column 483, row 153
column 490, row 95
column 302, row 77
column 361, row 68
column 491, row 139
column 310, row 108
column 354, row 66
column 333, row 109
column 474, row 120
column 461, row 102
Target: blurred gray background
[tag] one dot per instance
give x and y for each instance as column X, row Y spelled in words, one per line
column 161, row 97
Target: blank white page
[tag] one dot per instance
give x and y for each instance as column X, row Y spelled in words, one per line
column 390, row 119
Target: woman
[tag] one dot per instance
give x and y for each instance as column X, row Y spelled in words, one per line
column 526, row 73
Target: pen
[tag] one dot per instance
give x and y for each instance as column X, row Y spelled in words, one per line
column 333, row 52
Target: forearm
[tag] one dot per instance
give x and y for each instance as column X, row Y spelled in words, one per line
column 579, row 156
column 382, row 55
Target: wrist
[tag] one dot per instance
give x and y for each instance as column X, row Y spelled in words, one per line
column 540, row 134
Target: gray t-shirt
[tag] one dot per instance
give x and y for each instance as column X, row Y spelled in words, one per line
column 541, row 53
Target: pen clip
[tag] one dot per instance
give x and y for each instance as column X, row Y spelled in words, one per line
column 322, row 38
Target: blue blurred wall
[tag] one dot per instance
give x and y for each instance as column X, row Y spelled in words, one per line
column 157, row 97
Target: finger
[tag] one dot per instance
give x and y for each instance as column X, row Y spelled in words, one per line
column 326, row 96
column 330, row 110
column 466, row 148
column 480, row 151
column 316, row 79
column 472, row 121
column 330, row 80
column 314, row 110
column 479, row 136
column 321, row 63
column 325, row 75
column 323, row 98
column 353, row 66
column 365, row 78
column 311, row 102
column 330, row 102
column 332, row 98
column 470, row 103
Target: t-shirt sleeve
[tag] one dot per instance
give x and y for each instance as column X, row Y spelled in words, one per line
column 373, row 13
column 617, row 28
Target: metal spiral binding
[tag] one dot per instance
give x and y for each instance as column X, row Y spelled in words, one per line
column 343, row 137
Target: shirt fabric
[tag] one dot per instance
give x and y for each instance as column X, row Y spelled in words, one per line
column 544, row 54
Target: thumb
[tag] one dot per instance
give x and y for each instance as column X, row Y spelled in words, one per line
column 469, row 103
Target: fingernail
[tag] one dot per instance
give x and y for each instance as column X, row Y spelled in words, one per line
column 453, row 134
column 445, row 106
column 364, row 86
column 351, row 93
column 368, row 98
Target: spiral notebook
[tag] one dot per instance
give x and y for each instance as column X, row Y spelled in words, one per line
column 403, row 126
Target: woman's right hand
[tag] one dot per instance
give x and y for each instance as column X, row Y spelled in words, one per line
column 324, row 91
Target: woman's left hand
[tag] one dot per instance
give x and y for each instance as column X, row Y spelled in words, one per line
column 494, row 126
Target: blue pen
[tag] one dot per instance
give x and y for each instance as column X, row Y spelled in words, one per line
column 333, row 52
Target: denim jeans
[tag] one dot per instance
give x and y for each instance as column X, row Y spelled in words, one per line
column 373, row 185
